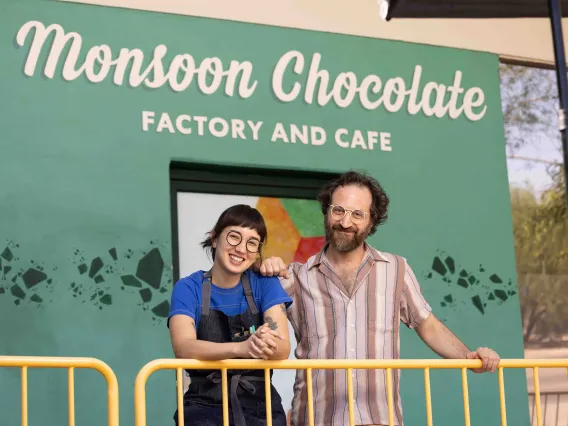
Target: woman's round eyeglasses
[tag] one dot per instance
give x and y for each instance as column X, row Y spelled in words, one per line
column 234, row 238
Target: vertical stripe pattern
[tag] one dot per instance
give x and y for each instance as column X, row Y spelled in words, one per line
column 330, row 324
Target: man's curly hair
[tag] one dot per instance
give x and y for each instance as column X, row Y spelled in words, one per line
column 379, row 205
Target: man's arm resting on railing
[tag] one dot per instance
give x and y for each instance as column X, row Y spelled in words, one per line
column 446, row 344
column 440, row 339
column 186, row 345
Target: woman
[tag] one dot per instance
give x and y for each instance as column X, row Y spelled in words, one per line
column 230, row 312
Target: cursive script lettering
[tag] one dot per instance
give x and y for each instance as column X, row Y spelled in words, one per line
column 431, row 100
column 292, row 78
column 100, row 61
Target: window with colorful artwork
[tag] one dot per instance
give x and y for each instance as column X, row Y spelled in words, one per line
column 287, row 202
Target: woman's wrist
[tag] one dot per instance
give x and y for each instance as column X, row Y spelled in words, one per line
column 238, row 349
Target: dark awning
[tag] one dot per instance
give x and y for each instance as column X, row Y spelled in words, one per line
column 470, row 8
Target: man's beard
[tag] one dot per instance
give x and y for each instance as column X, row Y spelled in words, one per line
column 346, row 241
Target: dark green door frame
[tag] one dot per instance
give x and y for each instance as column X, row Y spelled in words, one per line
column 258, row 182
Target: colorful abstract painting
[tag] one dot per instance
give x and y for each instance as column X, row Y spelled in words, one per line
column 295, row 228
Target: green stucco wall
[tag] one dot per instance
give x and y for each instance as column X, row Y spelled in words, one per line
column 85, row 236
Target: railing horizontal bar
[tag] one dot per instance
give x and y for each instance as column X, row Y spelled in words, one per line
column 332, row 364
column 51, row 362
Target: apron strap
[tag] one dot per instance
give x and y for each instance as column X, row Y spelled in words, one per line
column 206, row 293
column 248, row 294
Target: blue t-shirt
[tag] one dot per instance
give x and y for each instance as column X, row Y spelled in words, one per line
column 186, row 296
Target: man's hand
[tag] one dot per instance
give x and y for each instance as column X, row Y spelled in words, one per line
column 262, row 343
column 274, row 267
column 490, row 360
column 441, row 340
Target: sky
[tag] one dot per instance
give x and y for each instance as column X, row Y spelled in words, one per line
column 537, row 88
column 530, row 173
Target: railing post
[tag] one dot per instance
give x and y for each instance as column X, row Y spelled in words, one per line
column 428, row 396
column 502, row 402
column 465, row 397
column 71, row 395
column 24, row 396
column 268, row 391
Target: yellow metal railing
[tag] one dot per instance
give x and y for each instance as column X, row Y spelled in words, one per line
column 25, row 362
column 309, row 365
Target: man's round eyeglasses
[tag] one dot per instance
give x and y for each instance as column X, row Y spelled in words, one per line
column 339, row 212
column 234, row 238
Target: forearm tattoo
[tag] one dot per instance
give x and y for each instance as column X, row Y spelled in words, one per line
column 271, row 323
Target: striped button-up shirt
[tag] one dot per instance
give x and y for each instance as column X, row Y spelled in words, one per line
column 328, row 324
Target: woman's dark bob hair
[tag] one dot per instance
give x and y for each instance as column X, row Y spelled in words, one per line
column 238, row 215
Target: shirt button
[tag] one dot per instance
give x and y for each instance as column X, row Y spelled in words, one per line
column 352, row 350
column 353, row 325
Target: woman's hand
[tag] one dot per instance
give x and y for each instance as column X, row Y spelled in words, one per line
column 262, row 343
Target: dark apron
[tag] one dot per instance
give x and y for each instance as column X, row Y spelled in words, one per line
column 247, row 398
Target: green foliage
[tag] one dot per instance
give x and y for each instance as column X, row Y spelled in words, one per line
column 541, row 245
column 530, row 105
column 540, row 223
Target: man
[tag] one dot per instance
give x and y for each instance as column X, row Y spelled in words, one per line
column 349, row 300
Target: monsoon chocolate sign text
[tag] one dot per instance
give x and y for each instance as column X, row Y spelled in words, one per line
column 295, row 77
